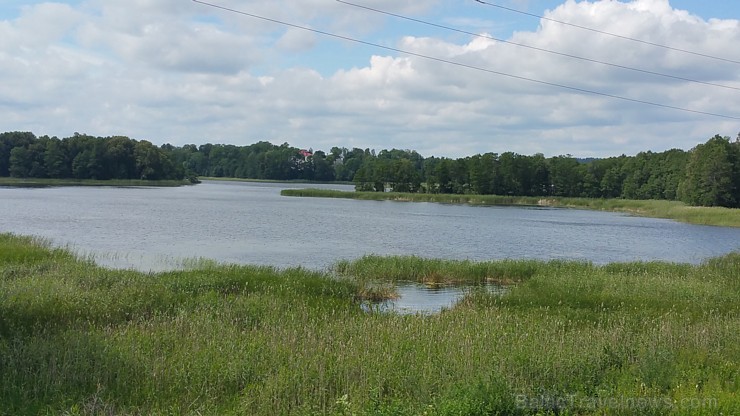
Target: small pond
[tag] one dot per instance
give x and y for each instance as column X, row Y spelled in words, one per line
column 418, row 298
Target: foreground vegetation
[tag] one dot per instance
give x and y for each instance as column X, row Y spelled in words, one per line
column 720, row 216
column 568, row 338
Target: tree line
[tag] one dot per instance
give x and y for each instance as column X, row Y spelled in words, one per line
column 24, row 155
column 708, row 174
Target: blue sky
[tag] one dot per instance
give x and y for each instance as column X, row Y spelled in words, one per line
column 180, row 72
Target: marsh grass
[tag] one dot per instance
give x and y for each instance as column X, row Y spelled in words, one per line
column 675, row 210
column 146, row 262
column 438, row 271
column 568, row 338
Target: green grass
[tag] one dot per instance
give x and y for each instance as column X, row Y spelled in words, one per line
column 568, row 338
column 436, row 271
column 39, row 182
column 675, row 210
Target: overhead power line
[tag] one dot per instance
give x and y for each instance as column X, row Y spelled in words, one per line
column 658, row 45
column 463, row 65
column 567, row 55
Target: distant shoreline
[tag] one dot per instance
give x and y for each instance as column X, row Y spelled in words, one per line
column 673, row 210
column 43, row 183
column 303, row 181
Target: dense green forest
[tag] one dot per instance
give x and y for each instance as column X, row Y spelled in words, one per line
column 708, row 174
column 23, row 155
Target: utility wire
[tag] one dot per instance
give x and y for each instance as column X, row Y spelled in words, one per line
column 463, row 65
column 608, row 33
column 596, row 61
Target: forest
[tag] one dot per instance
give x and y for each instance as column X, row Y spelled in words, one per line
column 23, row 155
column 707, row 175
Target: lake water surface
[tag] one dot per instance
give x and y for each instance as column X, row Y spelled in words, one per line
column 241, row 222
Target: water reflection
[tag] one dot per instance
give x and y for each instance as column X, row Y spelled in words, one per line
column 418, row 298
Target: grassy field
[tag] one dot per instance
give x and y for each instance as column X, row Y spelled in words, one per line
column 36, row 182
column 675, row 210
column 568, row 338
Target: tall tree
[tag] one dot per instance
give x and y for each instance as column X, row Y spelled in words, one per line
column 567, row 176
column 20, row 162
column 482, row 168
column 56, row 160
column 119, row 158
column 404, row 176
column 9, row 141
column 713, row 174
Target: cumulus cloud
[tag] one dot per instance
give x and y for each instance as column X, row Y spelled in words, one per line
column 40, row 25
column 180, row 72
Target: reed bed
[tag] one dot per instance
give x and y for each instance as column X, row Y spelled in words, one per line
column 568, row 338
column 438, row 271
column 675, row 210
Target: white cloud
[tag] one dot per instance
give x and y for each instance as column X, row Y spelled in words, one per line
column 182, row 72
column 297, row 40
column 40, row 25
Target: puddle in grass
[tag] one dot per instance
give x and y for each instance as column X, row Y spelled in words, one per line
column 418, row 298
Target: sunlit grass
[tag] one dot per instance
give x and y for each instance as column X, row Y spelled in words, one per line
column 77, row 339
column 675, row 210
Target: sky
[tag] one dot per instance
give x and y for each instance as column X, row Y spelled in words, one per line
column 180, row 72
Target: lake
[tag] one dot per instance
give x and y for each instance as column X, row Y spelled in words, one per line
column 243, row 222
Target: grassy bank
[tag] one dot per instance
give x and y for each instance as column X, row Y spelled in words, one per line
column 675, row 210
column 36, row 182
column 569, row 337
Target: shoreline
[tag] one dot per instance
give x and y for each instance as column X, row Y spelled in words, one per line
column 672, row 210
column 295, row 181
column 49, row 183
